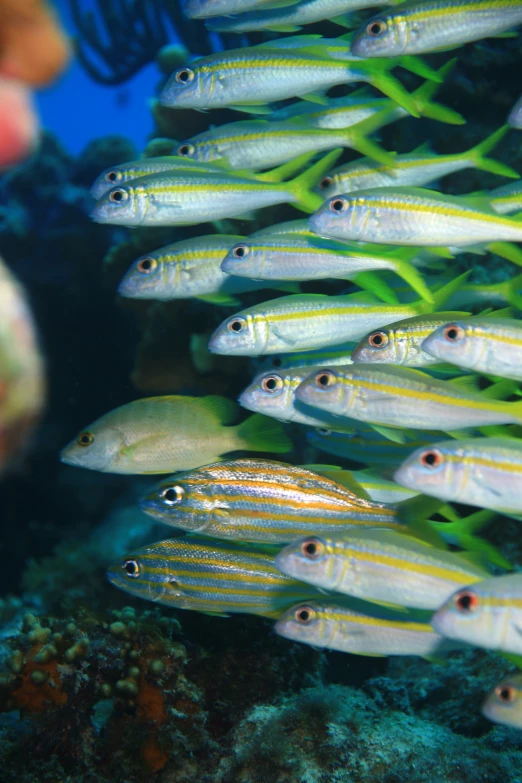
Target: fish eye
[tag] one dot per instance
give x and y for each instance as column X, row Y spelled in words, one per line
column 376, row 28
column 184, row 76
column 325, row 379
column 113, row 176
column 506, row 693
column 172, row 495
column 85, row 439
column 272, row 383
column 466, row 602
column 131, row 568
column 431, row 458
column 186, row 150
column 453, row 333
column 118, row 196
column 237, row 325
column 312, row 548
column 324, row 431
column 147, row 265
column 338, row 205
column 240, row 251
column 378, row 339
column 305, row 615
column 326, row 182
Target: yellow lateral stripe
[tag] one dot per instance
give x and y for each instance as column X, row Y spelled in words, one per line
column 485, row 462
column 423, row 15
column 376, row 622
column 477, row 331
column 440, row 397
column 238, row 575
column 396, row 562
column 446, row 210
column 245, row 63
column 340, row 310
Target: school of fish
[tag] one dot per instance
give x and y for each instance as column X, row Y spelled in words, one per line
column 412, row 372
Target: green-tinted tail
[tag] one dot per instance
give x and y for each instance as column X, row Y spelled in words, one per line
column 442, row 295
column 513, row 291
column 506, row 250
column 416, row 65
column 356, row 136
column 436, row 111
column 301, row 186
column 462, row 533
column 378, row 76
column 260, row 433
column 287, row 170
column 478, row 155
column 403, row 267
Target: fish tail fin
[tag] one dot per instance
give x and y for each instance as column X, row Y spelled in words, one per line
column 301, row 186
column 411, row 62
column 403, row 267
column 442, row 295
column 287, row 170
column 260, row 433
column 376, row 285
column 463, row 532
column 356, row 137
column 436, row 111
column 514, row 291
column 507, row 250
column 379, row 77
column 480, row 161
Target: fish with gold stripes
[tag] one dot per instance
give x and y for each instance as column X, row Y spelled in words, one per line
column 491, row 345
column 413, row 216
column 125, row 172
column 298, row 258
column 333, row 626
column 190, row 268
column 188, row 197
column 416, row 168
column 273, row 394
column 391, row 396
column 383, row 566
column 307, row 321
column 487, row 614
column 205, row 575
column 402, row 343
column 255, row 76
column 483, row 472
column 429, row 25
column 262, row 500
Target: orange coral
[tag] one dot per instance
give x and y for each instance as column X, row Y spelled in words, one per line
column 37, row 698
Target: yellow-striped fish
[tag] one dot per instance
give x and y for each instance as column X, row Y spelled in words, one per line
column 414, row 27
column 209, row 576
column 402, row 342
column 413, row 216
column 487, row 614
column 383, row 566
column 490, row 345
column 188, row 197
column 392, row 396
column 367, row 632
column 483, row 472
column 261, row 500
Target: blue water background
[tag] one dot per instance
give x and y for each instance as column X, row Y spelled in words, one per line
column 78, row 109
